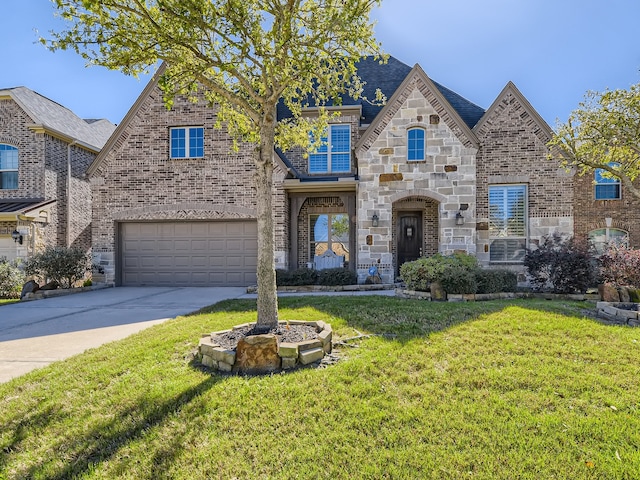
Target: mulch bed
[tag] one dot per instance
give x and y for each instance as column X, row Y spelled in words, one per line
column 283, row 333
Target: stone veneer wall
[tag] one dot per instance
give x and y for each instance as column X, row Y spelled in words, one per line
column 445, row 180
column 513, row 151
column 138, row 180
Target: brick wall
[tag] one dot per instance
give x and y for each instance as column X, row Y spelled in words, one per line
column 513, row 150
column 138, row 180
column 591, row 214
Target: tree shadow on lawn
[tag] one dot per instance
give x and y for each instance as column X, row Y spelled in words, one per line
column 101, row 443
column 396, row 318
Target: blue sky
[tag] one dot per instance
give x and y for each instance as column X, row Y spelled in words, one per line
column 553, row 50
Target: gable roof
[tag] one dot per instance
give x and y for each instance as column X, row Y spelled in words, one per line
column 544, row 130
column 388, row 77
column 59, row 120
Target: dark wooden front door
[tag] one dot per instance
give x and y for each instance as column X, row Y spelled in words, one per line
column 409, row 237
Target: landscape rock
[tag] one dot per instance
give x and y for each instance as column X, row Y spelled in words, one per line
column 52, row 285
column 30, row 287
column 608, row 293
column 257, row 354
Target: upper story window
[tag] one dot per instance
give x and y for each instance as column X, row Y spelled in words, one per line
column 187, row 142
column 607, row 188
column 415, row 144
column 8, row 167
column 334, row 155
column 507, row 223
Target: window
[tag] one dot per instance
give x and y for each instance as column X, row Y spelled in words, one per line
column 415, row 144
column 8, row 167
column 334, row 155
column 187, row 142
column 601, row 237
column 507, row 223
column 329, row 232
column 607, row 188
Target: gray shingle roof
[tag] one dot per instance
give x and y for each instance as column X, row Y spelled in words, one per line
column 388, row 77
column 54, row 116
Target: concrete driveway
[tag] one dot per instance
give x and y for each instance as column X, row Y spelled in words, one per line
column 34, row 334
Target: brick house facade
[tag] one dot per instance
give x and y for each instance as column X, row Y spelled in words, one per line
column 45, row 150
column 428, row 172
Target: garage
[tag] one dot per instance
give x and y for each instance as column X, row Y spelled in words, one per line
column 220, row 253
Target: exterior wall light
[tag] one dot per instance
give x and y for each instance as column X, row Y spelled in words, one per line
column 459, row 218
column 17, row 236
column 374, row 220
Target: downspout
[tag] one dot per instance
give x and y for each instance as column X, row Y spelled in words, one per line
column 68, row 219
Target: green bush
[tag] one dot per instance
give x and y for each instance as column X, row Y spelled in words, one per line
column 11, row 279
column 417, row 275
column 337, row 276
column 496, row 280
column 64, row 265
column 301, row 276
column 458, row 279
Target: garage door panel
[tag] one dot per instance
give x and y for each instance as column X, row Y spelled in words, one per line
column 189, row 253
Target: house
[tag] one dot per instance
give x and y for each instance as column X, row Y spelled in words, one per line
column 45, row 149
column 428, row 172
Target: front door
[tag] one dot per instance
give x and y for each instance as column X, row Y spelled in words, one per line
column 409, row 237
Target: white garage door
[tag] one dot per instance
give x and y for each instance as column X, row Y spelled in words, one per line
column 220, row 253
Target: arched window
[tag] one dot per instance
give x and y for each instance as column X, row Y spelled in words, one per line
column 8, row 167
column 415, row 144
column 601, row 237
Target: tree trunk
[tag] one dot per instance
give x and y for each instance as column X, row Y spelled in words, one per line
column 267, row 291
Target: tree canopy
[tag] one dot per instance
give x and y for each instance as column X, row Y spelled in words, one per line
column 244, row 56
column 603, row 133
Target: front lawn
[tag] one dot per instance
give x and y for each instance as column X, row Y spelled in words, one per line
column 488, row 390
column 5, row 301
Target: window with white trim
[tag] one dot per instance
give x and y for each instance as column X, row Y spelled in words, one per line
column 606, row 188
column 415, row 144
column 334, row 155
column 329, row 232
column 8, row 167
column 186, row 142
column 507, row 223
column 602, row 237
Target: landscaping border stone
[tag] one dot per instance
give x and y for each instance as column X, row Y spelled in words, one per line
column 622, row 313
column 479, row 297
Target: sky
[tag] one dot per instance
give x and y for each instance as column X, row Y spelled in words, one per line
column 553, row 50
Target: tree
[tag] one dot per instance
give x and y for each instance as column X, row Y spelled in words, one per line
column 603, row 133
column 244, row 56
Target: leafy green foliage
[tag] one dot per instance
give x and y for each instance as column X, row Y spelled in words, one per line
column 64, row 265
column 561, row 265
column 11, row 278
column 496, row 280
column 620, row 265
column 309, row 276
column 458, row 279
column 603, row 133
column 337, row 276
column 417, row 275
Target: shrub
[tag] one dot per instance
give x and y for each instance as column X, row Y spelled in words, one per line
column 61, row 264
column 301, row 276
column 562, row 265
column 11, row 279
column 337, row 276
column 459, row 279
column 620, row 265
column 496, row 280
column 417, row 275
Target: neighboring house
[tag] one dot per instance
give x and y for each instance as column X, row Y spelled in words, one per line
column 45, row 149
column 429, row 172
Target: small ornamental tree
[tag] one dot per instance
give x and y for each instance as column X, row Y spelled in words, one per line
column 620, row 265
column 561, row 265
column 245, row 56
column 66, row 266
column 11, row 278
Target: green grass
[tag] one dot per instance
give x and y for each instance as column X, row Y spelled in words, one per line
column 5, row 301
column 489, row 390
